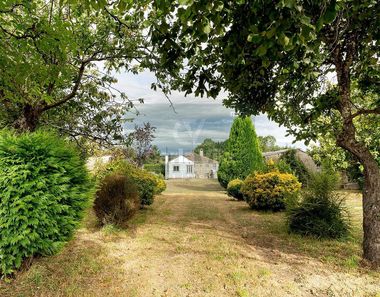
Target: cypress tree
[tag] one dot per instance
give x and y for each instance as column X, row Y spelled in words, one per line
column 242, row 155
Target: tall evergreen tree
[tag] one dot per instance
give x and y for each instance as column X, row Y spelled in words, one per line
column 242, row 155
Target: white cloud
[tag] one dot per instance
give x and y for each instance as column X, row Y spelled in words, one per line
column 194, row 120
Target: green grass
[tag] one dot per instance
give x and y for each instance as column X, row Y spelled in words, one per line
column 220, row 245
column 270, row 231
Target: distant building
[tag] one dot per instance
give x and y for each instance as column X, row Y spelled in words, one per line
column 190, row 166
column 179, row 167
column 301, row 155
column 310, row 165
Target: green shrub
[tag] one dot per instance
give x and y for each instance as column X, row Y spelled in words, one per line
column 269, row 191
column 233, row 189
column 156, row 168
column 283, row 167
column 296, row 166
column 145, row 181
column 44, row 189
column 321, row 213
column 116, row 200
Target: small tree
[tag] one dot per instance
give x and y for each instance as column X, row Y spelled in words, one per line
column 142, row 139
column 242, row 155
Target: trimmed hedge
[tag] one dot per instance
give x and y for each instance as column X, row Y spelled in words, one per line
column 157, row 168
column 116, row 200
column 44, row 189
column 269, row 191
column 234, row 189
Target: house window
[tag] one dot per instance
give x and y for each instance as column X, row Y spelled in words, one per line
column 176, row 168
column 189, row 168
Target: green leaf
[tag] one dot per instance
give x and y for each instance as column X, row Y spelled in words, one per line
column 185, row 2
column 330, row 14
column 261, row 50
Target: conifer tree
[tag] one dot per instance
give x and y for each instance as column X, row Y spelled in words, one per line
column 242, row 155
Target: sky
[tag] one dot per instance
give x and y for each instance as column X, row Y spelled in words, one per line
column 192, row 120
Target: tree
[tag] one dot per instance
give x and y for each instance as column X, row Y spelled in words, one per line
column 242, row 155
column 341, row 159
column 295, row 60
column 154, row 156
column 56, row 59
column 142, row 139
column 212, row 149
column 269, row 144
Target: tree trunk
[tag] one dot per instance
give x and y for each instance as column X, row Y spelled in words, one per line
column 347, row 140
column 371, row 213
column 29, row 118
column 371, row 198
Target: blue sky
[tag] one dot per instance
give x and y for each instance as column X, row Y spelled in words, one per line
column 193, row 120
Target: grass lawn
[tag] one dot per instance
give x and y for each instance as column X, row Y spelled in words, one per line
column 196, row 241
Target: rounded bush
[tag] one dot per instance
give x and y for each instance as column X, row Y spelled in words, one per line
column 145, row 181
column 270, row 191
column 44, row 189
column 234, row 189
column 116, row 200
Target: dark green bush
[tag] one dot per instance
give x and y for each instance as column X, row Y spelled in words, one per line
column 145, row 181
column 44, row 189
column 116, row 200
column 233, row 189
column 321, row 213
column 296, row 166
column 242, row 154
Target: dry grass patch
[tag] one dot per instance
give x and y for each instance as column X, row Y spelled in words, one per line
column 195, row 241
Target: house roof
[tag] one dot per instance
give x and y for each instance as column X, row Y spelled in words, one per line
column 181, row 159
column 279, row 152
column 199, row 159
column 301, row 155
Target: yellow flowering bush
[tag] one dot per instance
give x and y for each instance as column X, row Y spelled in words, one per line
column 160, row 185
column 233, row 189
column 269, row 191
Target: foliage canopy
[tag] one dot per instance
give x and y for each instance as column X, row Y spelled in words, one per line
column 44, row 188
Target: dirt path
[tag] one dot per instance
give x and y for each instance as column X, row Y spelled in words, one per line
column 195, row 241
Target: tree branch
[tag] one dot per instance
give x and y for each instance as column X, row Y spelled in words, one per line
column 73, row 91
column 366, row 111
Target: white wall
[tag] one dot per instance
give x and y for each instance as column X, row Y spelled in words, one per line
column 182, row 163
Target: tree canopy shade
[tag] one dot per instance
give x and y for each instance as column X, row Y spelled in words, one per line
column 295, row 60
column 56, row 63
column 242, row 155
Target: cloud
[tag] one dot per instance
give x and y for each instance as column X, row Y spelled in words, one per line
column 193, row 119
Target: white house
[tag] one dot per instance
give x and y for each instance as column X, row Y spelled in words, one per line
column 180, row 167
column 191, row 166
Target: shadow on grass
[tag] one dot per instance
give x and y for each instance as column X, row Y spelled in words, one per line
column 79, row 267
